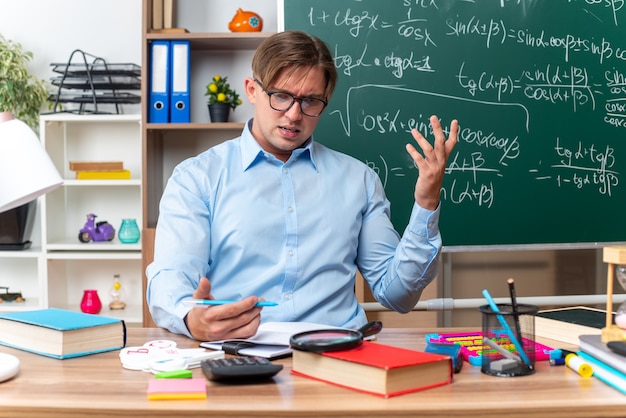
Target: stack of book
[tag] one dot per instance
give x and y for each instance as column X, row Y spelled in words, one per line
column 99, row 170
column 607, row 365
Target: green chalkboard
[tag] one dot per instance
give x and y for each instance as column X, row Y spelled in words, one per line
column 538, row 87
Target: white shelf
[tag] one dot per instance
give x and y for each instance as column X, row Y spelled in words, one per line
column 87, row 249
column 98, row 183
column 58, row 267
column 32, row 252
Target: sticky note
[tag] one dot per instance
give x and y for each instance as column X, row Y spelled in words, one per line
column 174, row 374
column 194, row 388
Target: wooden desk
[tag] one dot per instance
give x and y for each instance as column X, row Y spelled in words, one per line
column 97, row 386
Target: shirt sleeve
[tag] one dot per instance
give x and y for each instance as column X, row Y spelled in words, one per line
column 398, row 269
column 180, row 252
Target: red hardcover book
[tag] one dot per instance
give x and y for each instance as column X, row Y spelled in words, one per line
column 375, row 368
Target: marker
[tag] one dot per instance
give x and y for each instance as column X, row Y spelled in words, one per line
column 210, row 302
column 507, row 329
column 557, row 362
column 579, row 365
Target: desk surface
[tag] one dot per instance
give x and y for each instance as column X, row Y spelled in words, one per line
column 97, row 386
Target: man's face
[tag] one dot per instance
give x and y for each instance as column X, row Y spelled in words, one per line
column 280, row 132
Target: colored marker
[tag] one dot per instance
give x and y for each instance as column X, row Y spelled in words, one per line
column 507, row 329
column 579, row 365
column 209, row 302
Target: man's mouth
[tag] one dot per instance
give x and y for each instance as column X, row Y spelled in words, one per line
column 290, row 131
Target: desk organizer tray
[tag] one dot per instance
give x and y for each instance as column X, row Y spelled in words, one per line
column 472, row 344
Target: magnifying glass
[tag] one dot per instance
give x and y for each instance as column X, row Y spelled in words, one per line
column 324, row 340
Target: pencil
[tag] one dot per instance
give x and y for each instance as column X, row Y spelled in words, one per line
column 518, row 330
column 209, row 302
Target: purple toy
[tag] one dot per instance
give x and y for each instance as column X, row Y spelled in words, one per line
column 92, row 231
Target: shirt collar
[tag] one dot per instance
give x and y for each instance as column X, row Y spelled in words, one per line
column 251, row 151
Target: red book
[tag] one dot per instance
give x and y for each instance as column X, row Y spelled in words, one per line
column 376, row 368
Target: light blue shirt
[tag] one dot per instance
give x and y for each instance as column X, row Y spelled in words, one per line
column 292, row 233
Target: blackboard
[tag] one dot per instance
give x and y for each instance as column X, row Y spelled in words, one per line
column 538, row 87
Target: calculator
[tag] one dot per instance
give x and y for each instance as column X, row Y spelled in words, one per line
column 239, row 369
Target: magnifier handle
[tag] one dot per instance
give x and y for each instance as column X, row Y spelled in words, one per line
column 371, row 328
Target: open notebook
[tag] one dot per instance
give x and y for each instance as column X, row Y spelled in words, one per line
column 271, row 340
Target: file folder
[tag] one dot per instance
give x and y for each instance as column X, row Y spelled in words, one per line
column 158, row 111
column 179, row 88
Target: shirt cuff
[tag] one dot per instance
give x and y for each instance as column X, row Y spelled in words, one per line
column 424, row 222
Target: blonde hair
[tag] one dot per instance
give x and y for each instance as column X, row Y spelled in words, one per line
column 291, row 51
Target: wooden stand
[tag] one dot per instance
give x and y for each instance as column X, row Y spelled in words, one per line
column 614, row 256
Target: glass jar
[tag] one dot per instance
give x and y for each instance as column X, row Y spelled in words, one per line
column 129, row 231
column 91, row 303
column 116, row 294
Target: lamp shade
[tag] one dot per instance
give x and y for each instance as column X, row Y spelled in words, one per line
column 26, row 170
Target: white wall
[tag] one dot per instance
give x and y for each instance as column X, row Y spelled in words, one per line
column 111, row 29
column 52, row 29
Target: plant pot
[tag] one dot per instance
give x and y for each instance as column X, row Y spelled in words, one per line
column 219, row 112
column 16, row 226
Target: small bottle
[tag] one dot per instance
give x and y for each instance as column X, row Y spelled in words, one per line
column 116, row 293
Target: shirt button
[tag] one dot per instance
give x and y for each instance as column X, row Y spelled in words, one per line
column 285, row 170
column 287, row 296
column 290, row 209
column 290, row 252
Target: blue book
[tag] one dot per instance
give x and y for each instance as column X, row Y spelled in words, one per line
column 592, row 345
column 605, row 373
column 61, row 333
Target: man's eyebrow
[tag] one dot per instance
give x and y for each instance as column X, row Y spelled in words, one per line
column 312, row 96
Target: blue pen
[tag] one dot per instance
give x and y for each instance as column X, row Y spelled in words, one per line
column 507, row 329
column 210, row 302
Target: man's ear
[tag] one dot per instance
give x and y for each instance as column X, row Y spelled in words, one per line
column 250, row 87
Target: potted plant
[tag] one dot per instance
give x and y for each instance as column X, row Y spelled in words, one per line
column 22, row 95
column 222, row 98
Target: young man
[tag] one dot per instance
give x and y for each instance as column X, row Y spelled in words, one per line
column 274, row 215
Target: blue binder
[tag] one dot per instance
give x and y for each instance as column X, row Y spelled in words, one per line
column 159, row 110
column 179, row 87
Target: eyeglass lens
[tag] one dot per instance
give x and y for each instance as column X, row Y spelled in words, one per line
column 310, row 106
column 282, row 102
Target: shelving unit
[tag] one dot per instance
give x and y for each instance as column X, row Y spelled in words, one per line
column 58, row 267
column 165, row 145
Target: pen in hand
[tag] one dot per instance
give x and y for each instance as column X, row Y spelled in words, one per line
column 199, row 303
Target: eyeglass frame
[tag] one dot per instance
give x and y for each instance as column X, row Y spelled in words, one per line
column 294, row 99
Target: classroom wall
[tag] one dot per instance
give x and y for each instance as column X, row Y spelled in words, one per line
column 111, row 29
column 52, row 29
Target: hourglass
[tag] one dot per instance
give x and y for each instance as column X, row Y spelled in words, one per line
column 616, row 259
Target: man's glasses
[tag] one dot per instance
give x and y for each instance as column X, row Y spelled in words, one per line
column 282, row 102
